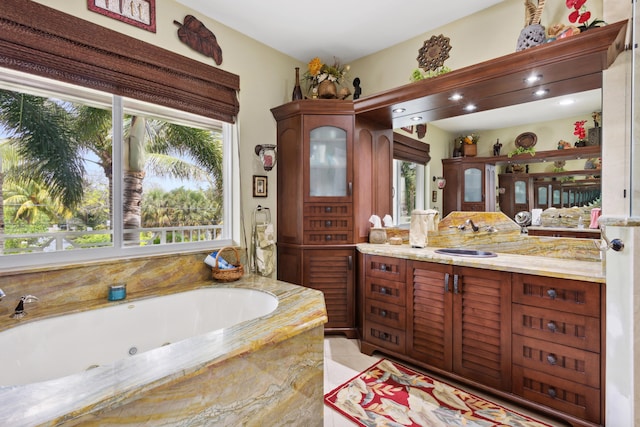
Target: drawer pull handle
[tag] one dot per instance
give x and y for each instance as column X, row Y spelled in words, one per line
column 552, row 392
column 552, row 326
column 383, row 267
column 551, row 358
column 327, row 208
column 446, row 283
column 383, row 291
column 327, row 223
column 383, row 313
column 552, row 293
column 456, row 287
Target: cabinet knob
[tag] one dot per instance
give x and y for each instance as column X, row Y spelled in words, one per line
column 551, row 358
column 383, row 291
column 383, row 267
column 383, row 313
column 552, row 293
column 327, row 237
column 327, row 223
column 552, row 326
column 552, row 392
column 384, row 336
column 327, row 208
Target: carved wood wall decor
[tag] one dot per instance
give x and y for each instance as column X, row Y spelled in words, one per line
column 139, row 13
column 433, row 53
column 46, row 42
column 194, row 34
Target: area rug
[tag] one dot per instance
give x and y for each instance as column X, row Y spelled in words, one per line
column 388, row 394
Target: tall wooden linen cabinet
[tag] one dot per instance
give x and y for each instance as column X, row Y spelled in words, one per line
column 334, row 172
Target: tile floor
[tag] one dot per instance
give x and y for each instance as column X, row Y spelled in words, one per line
column 343, row 361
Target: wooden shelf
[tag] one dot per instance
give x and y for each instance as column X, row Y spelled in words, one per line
column 550, row 155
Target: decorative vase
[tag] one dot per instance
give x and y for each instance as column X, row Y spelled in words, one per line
column 297, row 91
column 470, row 150
column 327, row 90
column 531, row 35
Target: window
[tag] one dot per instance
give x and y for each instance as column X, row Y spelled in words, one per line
column 76, row 187
column 408, row 183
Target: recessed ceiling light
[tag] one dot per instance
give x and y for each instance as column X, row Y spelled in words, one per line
column 416, row 118
column 455, row 97
column 470, row 107
column 399, row 110
column 533, row 78
column 541, row 92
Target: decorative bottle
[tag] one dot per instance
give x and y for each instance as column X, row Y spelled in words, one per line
column 297, row 91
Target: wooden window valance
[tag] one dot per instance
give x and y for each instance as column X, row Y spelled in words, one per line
column 39, row 40
column 410, row 150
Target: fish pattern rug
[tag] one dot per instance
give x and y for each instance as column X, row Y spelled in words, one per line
column 391, row 395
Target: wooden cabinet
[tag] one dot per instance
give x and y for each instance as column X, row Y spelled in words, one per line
column 327, row 190
column 557, row 344
column 469, row 187
column 460, row 321
column 535, row 339
column 514, row 195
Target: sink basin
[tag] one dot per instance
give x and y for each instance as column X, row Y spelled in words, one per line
column 466, row 252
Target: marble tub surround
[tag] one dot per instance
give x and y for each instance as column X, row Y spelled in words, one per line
column 527, row 264
column 242, row 375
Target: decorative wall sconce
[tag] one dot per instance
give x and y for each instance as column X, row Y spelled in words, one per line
column 267, row 154
column 441, row 181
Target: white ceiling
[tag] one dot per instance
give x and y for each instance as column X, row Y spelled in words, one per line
column 346, row 29
column 351, row 29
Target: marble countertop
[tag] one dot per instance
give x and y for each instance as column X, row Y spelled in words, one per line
column 299, row 309
column 589, row 271
column 587, row 230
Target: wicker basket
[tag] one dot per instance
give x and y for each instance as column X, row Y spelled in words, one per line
column 227, row 274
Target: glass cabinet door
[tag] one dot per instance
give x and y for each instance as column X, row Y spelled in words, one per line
column 473, row 183
column 520, row 190
column 328, row 162
column 542, row 197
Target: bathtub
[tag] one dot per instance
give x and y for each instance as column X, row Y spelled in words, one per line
column 132, row 358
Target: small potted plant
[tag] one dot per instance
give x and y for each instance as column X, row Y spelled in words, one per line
column 468, row 144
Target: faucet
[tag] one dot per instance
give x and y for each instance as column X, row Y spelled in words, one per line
column 19, row 311
column 473, row 226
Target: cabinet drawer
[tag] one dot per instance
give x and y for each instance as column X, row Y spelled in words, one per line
column 327, row 223
column 558, row 360
column 384, row 313
column 567, row 396
column 384, row 336
column 385, row 290
column 386, row 268
column 559, row 294
column 327, row 209
column 556, row 326
column 330, row 237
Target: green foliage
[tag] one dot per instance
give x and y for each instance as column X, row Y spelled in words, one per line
column 522, row 150
column 417, row 75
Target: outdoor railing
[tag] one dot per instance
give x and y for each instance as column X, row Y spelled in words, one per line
column 72, row 240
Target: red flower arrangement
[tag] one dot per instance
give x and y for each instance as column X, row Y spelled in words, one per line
column 579, row 131
column 581, row 15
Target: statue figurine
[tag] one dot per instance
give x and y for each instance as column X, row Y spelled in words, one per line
column 496, row 148
column 357, row 90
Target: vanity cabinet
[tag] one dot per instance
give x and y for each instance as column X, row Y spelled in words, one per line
column 327, row 190
column 557, row 344
column 533, row 339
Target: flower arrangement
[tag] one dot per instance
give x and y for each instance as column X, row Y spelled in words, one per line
column 578, row 130
column 470, row 139
column 581, row 15
column 318, row 71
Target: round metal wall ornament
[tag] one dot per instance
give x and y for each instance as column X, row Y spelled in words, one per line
column 433, row 53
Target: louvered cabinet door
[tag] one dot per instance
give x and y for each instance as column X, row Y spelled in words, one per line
column 331, row 271
column 430, row 313
column 482, row 326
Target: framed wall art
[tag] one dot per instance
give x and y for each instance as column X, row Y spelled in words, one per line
column 140, row 13
column 259, row 186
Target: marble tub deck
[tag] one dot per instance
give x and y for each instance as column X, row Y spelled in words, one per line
column 253, row 357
